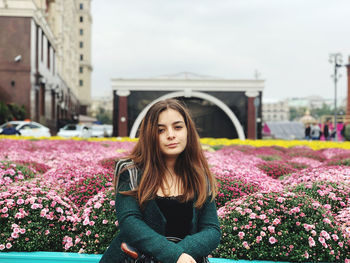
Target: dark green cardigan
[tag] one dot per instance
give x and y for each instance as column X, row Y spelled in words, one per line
column 145, row 229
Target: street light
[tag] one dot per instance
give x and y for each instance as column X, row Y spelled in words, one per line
column 335, row 58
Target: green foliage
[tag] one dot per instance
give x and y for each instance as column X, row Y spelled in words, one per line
column 345, row 162
column 104, row 117
column 5, row 114
column 296, row 112
column 11, row 111
column 270, row 157
column 347, row 132
column 18, row 112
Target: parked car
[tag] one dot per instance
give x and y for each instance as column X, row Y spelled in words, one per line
column 75, row 130
column 28, row 128
column 101, row 130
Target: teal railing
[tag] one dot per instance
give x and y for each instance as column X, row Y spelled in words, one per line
column 63, row 257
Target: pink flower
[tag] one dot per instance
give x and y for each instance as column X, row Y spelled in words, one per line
column 322, row 240
column 22, row 231
column 258, row 239
column 246, row 245
column 4, row 210
column 306, row 255
column 14, row 235
column 316, row 205
column 8, row 245
column 272, row 240
column 86, row 221
column 262, row 233
column 327, row 206
column 252, row 216
column 2, row 247
column 77, row 240
column 112, row 202
column 91, row 223
column 271, row 229
column 325, row 235
column 47, row 232
column 104, row 221
column 335, row 237
column 241, row 235
column 280, row 199
column 97, row 205
column 327, row 221
column 276, row 221
column 88, row 233
column 312, row 242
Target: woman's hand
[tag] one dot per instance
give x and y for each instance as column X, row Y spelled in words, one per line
column 185, row 258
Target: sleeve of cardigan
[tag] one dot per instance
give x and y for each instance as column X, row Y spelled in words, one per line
column 208, row 236
column 136, row 232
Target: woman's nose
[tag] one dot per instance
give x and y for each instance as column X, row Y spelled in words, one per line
column 171, row 134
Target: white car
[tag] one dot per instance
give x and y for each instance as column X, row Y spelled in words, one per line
column 75, row 130
column 28, row 128
column 101, row 130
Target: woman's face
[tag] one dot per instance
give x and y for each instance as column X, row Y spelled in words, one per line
column 172, row 132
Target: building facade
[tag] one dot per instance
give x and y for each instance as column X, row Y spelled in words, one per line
column 275, row 111
column 39, row 59
column 219, row 107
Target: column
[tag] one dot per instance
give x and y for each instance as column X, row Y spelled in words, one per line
column 123, row 112
column 348, row 99
column 251, row 115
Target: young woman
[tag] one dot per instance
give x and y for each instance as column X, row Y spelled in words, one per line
column 165, row 189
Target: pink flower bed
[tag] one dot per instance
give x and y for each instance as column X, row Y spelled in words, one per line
column 57, row 196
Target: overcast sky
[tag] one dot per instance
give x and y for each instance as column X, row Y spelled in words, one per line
column 287, row 41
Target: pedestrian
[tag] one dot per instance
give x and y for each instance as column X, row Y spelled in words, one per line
column 164, row 189
column 315, row 131
column 307, row 132
column 10, row 130
column 326, row 131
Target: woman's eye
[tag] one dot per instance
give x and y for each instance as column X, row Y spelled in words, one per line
column 161, row 130
column 178, row 127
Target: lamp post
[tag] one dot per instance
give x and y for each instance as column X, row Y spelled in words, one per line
column 335, row 59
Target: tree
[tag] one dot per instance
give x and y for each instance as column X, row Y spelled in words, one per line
column 103, row 116
column 11, row 111
column 296, row 113
column 5, row 114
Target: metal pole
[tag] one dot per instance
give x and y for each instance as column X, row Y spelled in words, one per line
column 337, row 60
column 335, row 100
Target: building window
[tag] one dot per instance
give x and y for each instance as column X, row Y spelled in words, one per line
column 80, row 69
column 48, row 54
column 81, row 44
column 81, row 19
column 81, row 31
column 81, row 83
column 81, row 6
column 81, row 57
column 53, row 62
column 42, row 46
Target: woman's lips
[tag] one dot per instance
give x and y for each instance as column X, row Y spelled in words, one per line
column 172, row 145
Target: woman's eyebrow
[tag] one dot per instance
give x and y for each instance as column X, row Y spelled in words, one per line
column 174, row 123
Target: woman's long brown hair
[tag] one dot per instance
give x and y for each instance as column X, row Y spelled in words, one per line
column 191, row 165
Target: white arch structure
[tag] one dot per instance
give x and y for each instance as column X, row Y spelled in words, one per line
column 201, row 95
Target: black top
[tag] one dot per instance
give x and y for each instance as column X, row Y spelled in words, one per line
column 178, row 215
